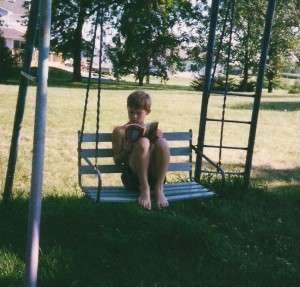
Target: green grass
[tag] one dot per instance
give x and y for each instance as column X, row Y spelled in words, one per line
column 63, row 78
column 236, row 239
column 295, row 89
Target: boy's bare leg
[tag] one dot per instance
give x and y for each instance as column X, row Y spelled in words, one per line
column 160, row 158
column 139, row 163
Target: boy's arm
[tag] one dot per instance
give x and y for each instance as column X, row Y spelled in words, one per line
column 120, row 154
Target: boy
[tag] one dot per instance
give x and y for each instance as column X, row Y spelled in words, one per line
column 146, row 162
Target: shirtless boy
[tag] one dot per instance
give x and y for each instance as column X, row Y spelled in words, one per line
column 146, row 162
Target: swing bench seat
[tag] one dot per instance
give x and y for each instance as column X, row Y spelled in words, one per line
column 119, row 194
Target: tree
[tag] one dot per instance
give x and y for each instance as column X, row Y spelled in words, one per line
column 68, row 18
column 146, row 43
column 198, row 25
column 249, row 19
column 249, row 24
column 248, row 27
column 284, row 38
column 7, row 61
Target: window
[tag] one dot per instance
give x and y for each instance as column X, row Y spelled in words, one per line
column 18, row 44
column 3, row 12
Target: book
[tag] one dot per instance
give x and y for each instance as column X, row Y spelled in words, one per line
column 134, row 131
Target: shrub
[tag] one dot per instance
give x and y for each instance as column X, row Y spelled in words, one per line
column 197, row 83
column 7, row 62
column 295, row 89
column 278, row 83
column 234, row 84
column 247, row 87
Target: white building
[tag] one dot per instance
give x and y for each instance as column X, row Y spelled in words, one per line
column 12, row 30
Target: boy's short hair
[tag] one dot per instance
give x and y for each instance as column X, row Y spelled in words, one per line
column 139, row 100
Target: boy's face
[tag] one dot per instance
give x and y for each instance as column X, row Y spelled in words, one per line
column 137, row 116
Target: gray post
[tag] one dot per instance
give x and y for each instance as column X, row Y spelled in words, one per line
column 259, row 86
column 207, row 84
column 13, row 154
column 33, row 231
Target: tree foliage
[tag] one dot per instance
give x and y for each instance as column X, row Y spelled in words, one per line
column 68, row 18
column 146, row 42
column 284, row 40
column 249, row 20
column 248, row 30
column 153, row 37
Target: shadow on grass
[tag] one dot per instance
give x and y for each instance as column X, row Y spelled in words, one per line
column 269, row 174
column 266, row 173
column 247, row 236
column 280, row 96
column 62, row 78
column 272, row 106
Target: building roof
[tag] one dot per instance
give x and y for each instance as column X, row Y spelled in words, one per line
column 11, row 33
column 14, row 6
column 11, row 12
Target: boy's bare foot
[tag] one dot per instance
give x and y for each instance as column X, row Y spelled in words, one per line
column 144, row 198
column 161, row 199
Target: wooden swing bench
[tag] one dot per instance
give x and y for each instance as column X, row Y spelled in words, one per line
column 173, row 191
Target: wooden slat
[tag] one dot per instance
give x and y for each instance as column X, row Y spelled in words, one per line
column 190, row 196
column 107, row 152
column 178, row 136
column 103, row 137
column 124, row 199
column 169, row 189
column 110, row 168
column 125, row 196
column 107, row 137
column 103, row 152
column 125, row 193
column 167, row 186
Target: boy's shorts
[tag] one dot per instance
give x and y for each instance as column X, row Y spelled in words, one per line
column 131, row 181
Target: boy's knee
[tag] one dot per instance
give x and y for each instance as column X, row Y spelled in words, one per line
column 143, row 144
column 162, row 144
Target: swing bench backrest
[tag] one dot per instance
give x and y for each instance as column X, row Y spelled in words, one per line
column 86, row 155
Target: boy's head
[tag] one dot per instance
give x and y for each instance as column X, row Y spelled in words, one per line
column 138, row 105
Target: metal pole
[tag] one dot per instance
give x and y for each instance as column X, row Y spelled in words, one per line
column 33, row 231
column 207, row 85
column 19, row 113
column 259, row 86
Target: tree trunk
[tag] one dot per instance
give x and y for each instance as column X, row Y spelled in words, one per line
column 246, row 61
column 148, row 79
column 245, row 75
column 140, row 75
column 270, row 74
column 78, row 47
column 141, row 80
column 270, row 86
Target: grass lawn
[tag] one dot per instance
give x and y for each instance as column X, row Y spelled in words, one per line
column 236, row 239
